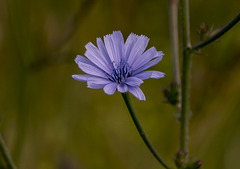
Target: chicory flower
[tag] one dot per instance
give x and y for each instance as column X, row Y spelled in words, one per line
column 115, row 65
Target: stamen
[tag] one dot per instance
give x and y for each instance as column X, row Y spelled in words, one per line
column 120, row 72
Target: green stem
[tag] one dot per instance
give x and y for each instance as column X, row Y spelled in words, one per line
column 6, row 155
column 173, row 20
column 233, row 22
column 185, row 113
column 186, row 73
column 141, row 131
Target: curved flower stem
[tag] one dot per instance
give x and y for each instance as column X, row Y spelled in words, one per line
column 142, row 133
column 5, row 154
column 218, row 34
column 186, row 73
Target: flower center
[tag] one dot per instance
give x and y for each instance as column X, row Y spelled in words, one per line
column 120, row 72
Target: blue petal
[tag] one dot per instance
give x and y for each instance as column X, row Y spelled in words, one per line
column 122, row 88
column 95, row 86
column 137, row 92
column 80, row 59
column 82, row 78
column 92, row 70
column 133, row 81
column 88, row 67
column 138, row 48
column 97, row 82
column 95, row 56
column 114, row 44
column 104, row 53
column 157, row 75
column 147, row 56
column 131, row 40
column 149, row 74
column 110, row 88
column 148, row 65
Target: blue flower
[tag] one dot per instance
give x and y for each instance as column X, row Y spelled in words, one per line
column 115, row 65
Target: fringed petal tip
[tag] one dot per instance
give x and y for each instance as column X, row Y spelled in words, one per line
column 157, row 75
column 160, row 53
column 78, row 58
column 150, row 74
column 81, row 78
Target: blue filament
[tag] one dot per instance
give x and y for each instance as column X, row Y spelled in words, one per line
column 120, row 73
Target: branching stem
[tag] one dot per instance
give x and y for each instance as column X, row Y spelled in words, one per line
column 227, row 27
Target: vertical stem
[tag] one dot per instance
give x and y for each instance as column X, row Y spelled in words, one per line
column 186, row 73
column 173, row 21
column 6, row 155
column 185, row 24
column 141, row 131
column 185, row 114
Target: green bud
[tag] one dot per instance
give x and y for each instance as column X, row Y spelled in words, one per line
column 171, row 94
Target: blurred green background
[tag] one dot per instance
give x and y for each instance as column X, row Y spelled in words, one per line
column 51, row 121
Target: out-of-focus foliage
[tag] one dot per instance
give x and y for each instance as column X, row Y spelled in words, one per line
column 50, row 121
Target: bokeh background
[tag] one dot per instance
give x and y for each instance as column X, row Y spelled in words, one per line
column 51, row 121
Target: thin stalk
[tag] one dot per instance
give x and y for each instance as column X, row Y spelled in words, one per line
column 227, row 27
column 5, row 154
column 185, row 113
column 141, row 131
column 186, row 73
column 173, row 21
